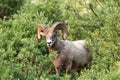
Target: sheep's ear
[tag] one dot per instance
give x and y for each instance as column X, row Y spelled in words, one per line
column 60, row 26
column 41, row 29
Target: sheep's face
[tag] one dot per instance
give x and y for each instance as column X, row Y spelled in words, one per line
column 50, row 37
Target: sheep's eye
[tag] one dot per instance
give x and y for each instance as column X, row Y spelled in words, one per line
column 53, row 36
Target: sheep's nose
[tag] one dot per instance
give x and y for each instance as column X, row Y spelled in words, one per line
column 49, row 43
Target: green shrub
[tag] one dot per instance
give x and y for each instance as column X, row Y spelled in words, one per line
column 8, row 7
column 22, row 57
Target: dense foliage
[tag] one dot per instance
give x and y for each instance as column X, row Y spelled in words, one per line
column 8, row 7
column 97, row 21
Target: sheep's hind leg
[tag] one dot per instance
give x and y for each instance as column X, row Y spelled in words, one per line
column 79, row 72
column 88, row 65
column 68, row 68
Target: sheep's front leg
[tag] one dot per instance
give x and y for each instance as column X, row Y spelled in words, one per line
column 57, row 68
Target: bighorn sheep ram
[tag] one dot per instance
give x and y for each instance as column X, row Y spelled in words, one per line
column 71, row 55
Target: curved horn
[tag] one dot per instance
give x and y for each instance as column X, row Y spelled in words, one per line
column 41, row 29
column 60, row 26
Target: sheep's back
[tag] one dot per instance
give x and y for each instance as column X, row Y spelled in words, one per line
column 81, row 45
column 76, row 51
column 81, row 52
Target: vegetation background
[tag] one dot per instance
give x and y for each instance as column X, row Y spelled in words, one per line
column 23, row 58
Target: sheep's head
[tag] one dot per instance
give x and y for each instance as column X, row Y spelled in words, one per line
column 51, row 33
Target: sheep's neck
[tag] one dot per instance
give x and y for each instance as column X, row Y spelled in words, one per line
column 58, row 45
